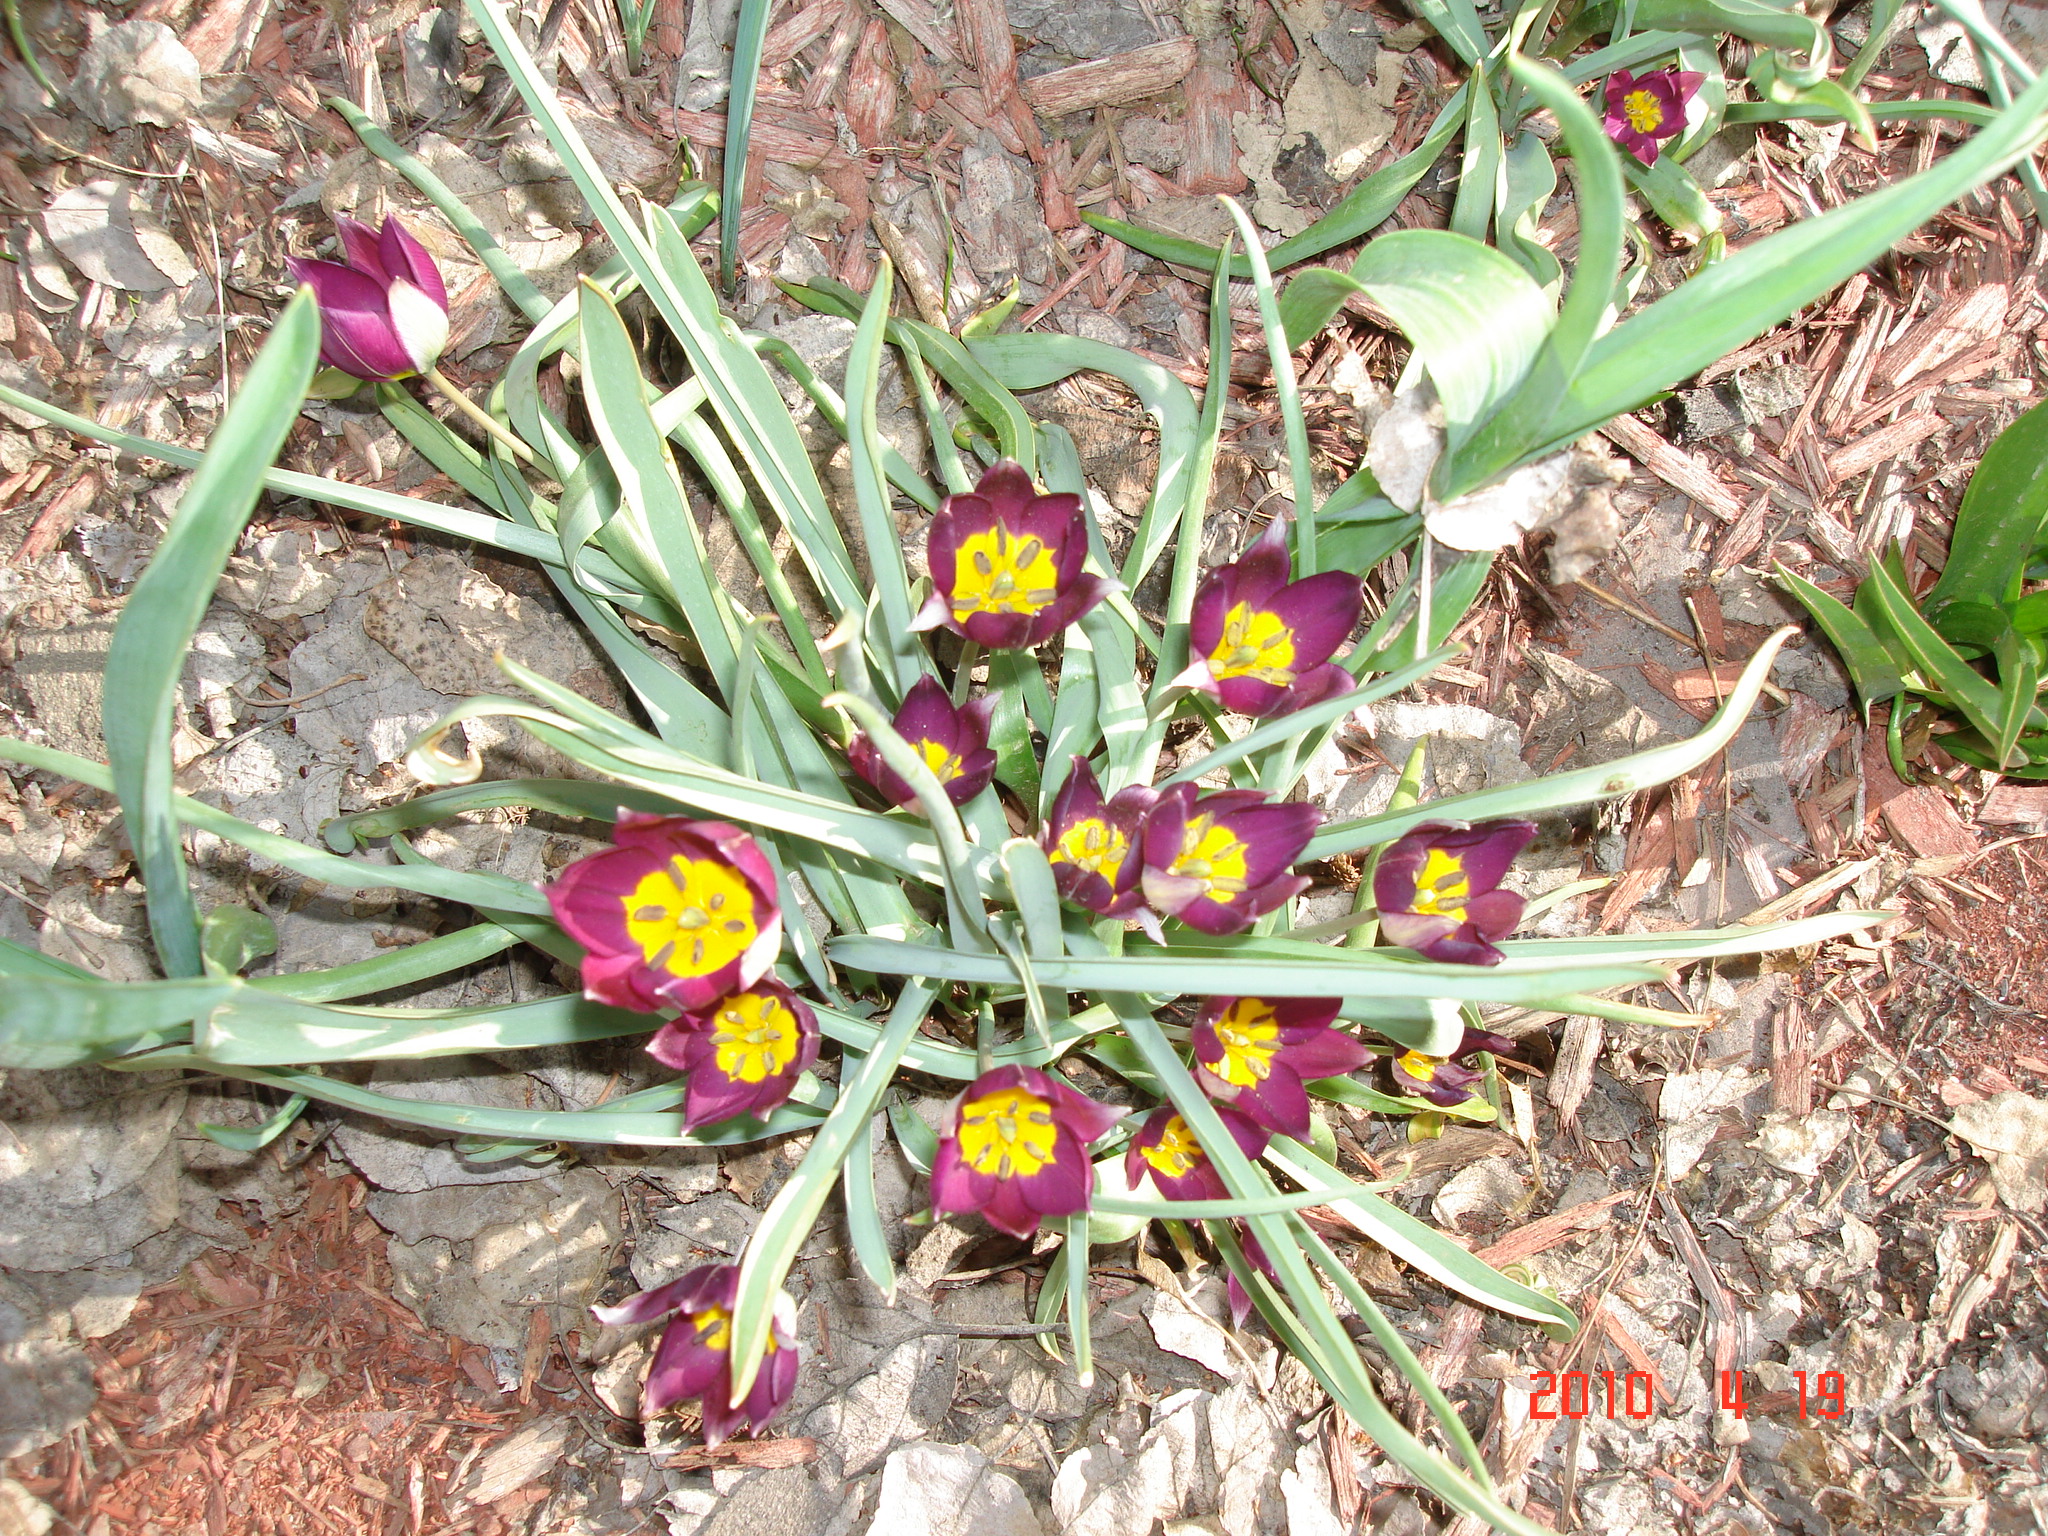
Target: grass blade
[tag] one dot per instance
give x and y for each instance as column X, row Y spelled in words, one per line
column 510, row 277
column 1280, row 355
column 739, row 129
column 1871, row 666
column 1738, row 299
column 863, row 1215
column 787, row 1223
column 1576, row 786
column 157, row 623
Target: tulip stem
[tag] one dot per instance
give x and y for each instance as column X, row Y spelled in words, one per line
column 477, row 413
column 984, row 1040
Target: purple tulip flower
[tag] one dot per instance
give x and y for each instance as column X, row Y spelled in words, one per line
column 743, row 1054
column 1092, row 845
column 1644, row 110
column 1262, row 644
column 385, row 314
column 1018, row 1150
column 1446, row 1080
column 1218, row 861
column 680, row 913
column 694, row 1357
column 953, row 743
column 1006, row 563
column 1438, row 890
column 1256, row 1053
column 1166, row 1149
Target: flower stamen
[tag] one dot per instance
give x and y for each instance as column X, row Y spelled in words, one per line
column 1256, row 643
column 996, row 573
column 1009, row 1133
column 1250, row 1036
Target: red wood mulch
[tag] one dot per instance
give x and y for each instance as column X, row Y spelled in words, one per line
column 280, row 1391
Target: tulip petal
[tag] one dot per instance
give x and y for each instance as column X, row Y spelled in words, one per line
column 363, row 250
column 646, row 1305
column 1007, row 1210
column 419, row 323
column 1327, row 1053
column 356, row 334
column 405, row 258
column 1414, row 930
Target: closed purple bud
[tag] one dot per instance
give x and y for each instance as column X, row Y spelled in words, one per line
column 384, row 313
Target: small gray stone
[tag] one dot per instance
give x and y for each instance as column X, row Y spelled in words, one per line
column 409, row 1159
column 62, row 672
column 454, row 1212
column 555, row 1254
column 1706, row 412
column 431, row 49
column 46, row 1383
column 950, row 1490
column 21, row 1512
column 138, row 72
column 1352, row 43
column 781, row 1502
column 1082, row 31
column 1150, row 142
column 1096, row 326
column 90, row 1170
column 1769, row 392
column 904, row 1398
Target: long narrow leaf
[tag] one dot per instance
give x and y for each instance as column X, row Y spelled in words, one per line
column 748, row 38
column 157, row 623
column 787, row 1223
column 1350, row 974
column 476, row 888
column 1739, row 299
column 1577, row 786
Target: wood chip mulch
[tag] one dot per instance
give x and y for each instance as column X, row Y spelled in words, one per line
column 281, row 1391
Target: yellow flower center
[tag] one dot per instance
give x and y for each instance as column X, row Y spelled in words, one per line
column 1441, row 890
column 714, row 1327
column 941, row 759
column 1250, row 1037
column 1009, row 1133
column 1176, row 1152
column 1645, row 113
column 1420, row 1067
column 1255, row 644
column 691, row 916
column 996, row 572
column 1093, row 845
column 1214, row 855
column 755, row 1037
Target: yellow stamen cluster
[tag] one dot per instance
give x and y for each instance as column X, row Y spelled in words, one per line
column 691, row 917
column 996, row 572
column 1255, row 644
column 1441, row 889
column 1250, row 1036
column 1093, row 845
column 1215, row 855
column 755, row 1037
column 1009, row 1133
column 1176, row 1152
